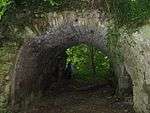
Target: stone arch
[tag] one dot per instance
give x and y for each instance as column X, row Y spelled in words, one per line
column 48, row 49
column 64, row 31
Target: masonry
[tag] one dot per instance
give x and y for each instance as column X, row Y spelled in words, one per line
column 36, row 63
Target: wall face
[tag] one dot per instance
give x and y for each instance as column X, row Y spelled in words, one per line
column 136, row 51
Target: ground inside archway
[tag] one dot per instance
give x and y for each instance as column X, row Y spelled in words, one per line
column 97, row 99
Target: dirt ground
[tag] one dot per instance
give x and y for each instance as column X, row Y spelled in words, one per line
column 99, row 100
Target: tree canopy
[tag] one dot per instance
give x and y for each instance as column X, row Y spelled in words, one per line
column 130, row 12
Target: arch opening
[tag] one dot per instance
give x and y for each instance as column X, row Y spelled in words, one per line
column 87, row 64
column 41, row 70
column 64, row 32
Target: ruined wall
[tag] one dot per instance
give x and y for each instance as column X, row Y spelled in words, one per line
column 136, row 49
column 41, row 59
column 68, row 29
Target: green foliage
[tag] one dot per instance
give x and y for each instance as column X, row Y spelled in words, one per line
column 7, row 57
column 132, row 13
column 125, row 12
column 35, row 4
column 128, row 15
column 80, row 58
column 57, row 4
column 3, row 6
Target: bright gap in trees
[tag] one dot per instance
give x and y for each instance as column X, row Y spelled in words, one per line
column 89, row 66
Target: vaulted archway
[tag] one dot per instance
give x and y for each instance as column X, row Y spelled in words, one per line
column 36, row 63
column 41, row 56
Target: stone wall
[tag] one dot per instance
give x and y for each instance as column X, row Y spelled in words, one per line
column 35, row 65
column 136, row 49
column 41, row 60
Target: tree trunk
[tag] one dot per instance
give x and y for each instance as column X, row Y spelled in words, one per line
column 92, row 54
